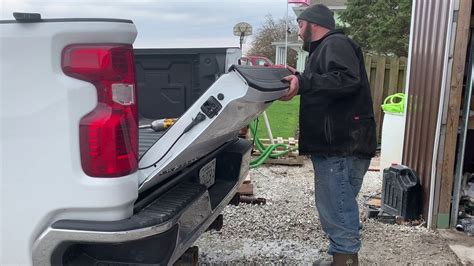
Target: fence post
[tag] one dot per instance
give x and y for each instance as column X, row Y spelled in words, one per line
column 368, row 65
column 404, row 61
column 394, row 72
column 378, row 93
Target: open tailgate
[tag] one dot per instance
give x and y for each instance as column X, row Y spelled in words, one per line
column 230, row 104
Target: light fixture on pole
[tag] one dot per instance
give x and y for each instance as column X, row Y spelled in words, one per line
column 242, row 29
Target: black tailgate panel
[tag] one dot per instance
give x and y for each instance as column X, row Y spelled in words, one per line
column 170, row 80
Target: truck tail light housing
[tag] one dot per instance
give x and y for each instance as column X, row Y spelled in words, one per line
column 109, row 133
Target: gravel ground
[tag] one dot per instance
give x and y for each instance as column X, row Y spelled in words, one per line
column 286, row 230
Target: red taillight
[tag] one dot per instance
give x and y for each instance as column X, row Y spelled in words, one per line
column 108, row 134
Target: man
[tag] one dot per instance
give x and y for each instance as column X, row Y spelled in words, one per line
column 337, row 126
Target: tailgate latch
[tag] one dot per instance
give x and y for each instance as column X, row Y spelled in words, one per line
column 211, row 107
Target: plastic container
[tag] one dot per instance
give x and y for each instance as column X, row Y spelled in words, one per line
column 393, row 130
column 401, row 192
column 393, row 133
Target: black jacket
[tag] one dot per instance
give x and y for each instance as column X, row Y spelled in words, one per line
column 336, row 112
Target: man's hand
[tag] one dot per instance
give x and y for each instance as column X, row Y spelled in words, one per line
column 294, row 87
column 292, row 70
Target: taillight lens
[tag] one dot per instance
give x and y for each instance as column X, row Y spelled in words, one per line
column 108, row 134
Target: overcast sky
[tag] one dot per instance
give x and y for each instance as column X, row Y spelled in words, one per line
column 172, row 23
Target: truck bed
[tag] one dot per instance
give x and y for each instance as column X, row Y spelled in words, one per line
column 171, row 80
column 147, row 137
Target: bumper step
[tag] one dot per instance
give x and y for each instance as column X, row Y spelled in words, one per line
column 161, row 210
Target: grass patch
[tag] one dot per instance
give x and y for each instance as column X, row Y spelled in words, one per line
column 283, row 117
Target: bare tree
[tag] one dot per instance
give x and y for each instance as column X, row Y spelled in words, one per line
column 274, row 31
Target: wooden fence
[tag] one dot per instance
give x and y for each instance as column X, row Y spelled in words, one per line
column 387, row 76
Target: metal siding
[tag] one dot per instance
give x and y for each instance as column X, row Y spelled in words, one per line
column 429, row 39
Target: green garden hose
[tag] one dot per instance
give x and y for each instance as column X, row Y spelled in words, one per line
column 266, row 152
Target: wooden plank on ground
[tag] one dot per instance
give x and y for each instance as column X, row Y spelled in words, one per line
column 247, row 179
column 293, row 154
column 454, row 106
column 377, row 202
column 394, row 71
column 289, row 154
column 378, row 93
column 293, row 161
column 374, row 164
column 246, row 189
column 291, row 141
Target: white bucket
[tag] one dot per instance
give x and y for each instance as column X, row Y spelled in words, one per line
column 393, row 132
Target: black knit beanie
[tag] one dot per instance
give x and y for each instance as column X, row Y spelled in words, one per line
column 319, row 14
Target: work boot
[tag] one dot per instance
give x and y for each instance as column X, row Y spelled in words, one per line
column 340, row 259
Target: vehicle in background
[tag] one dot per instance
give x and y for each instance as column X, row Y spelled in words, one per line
column 254, row 60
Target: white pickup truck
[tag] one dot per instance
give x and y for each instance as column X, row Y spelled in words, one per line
column 80, row 183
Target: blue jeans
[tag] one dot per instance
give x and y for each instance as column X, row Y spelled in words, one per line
column 337, row 182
